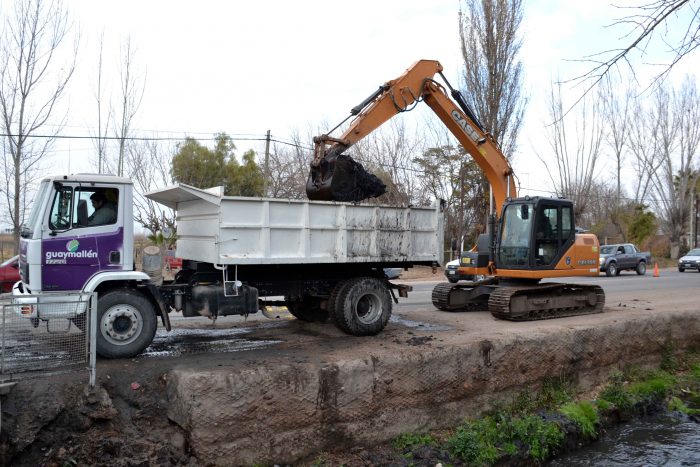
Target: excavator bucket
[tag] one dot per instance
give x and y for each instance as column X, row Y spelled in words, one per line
column 337, row 177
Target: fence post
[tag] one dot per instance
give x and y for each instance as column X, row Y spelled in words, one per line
column 93, row 338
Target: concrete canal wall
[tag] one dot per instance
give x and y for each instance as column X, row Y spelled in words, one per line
column 287, row 409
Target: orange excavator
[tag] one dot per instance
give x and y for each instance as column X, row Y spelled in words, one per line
column 528, row 239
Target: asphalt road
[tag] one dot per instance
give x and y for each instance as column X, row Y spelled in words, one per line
column 627, row 292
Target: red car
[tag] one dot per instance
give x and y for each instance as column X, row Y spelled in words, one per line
column 9, row 274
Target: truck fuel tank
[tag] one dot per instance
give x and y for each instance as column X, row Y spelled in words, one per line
column 215, row 300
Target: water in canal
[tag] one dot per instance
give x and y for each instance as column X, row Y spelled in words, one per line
column 663, row 440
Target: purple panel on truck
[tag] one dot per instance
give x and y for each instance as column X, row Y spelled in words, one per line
column 68, row 263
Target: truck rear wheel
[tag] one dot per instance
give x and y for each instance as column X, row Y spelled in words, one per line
column 309, row 309
column 363, row 306
column 126, row 324
column 641, row 268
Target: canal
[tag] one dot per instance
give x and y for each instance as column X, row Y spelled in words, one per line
column 666, row 440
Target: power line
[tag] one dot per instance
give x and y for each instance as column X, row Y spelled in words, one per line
column 130, row 138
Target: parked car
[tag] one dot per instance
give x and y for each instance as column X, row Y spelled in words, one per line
column 453, row 274
column 691, row 260
column 9, row 274
column 621, row 257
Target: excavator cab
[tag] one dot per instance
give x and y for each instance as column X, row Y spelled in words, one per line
column 534, row 233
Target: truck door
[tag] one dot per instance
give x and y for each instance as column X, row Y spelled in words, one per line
column 630, row 257
column 85, row 235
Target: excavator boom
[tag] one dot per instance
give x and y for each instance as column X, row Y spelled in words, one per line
column 335, row 176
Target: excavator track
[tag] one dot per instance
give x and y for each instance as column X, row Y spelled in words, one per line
column 545, row 301
column 441, row 298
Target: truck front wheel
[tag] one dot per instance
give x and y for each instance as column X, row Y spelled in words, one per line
column 611, row 270
column 126, row 324
column 363, row 306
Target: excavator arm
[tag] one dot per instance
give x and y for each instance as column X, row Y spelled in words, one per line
column 335, row 176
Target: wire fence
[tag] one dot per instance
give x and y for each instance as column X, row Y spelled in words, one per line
column 47, row 334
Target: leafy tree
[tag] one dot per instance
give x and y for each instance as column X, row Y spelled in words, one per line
column 246, row 179
column 641, row 224
column 453, row 176
column 197, row 165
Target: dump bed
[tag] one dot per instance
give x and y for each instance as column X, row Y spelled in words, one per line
column 238, row 230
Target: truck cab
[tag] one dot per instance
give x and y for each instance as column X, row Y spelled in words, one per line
column 80, row 226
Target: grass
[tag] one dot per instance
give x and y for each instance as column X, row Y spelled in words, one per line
column 585, row 415
column 485, row 441
column 412, row 440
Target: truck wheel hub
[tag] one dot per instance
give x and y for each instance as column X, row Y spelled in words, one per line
column 121, row 323
column 368, row 307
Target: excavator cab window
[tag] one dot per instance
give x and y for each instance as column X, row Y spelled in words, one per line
column 554, row 231
column 534, row 234
column 547, row 238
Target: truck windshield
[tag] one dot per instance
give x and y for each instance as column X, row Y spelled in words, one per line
column 34, row 222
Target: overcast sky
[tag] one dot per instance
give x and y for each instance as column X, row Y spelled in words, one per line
column 246, row 67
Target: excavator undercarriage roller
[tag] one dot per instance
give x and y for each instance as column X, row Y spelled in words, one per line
column 337, row 177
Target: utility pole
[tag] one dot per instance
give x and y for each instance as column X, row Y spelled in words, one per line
column 267, row 162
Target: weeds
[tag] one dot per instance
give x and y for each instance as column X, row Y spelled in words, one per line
column 584, row 415
column 484, row 441
column 411, row 440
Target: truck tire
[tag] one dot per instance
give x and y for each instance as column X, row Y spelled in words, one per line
column 363, row 306
column 680, row 269
column 453, row 280
column 333, row 304
column 126, row 324
column 641, row 268
column 308, row 309
column 611, row 270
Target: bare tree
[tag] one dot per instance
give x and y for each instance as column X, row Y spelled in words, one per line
column 616, row 108
column 678, row 138
column 646, row 24
column 148, row 165
column 642, row 144
column 289, row 166
column 103, row 115
column 575, row 157
column 31, row 84
column 493, row 74
column 132, row 87
column 391, row 150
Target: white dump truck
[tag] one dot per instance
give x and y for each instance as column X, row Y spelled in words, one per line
column 322, row 260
